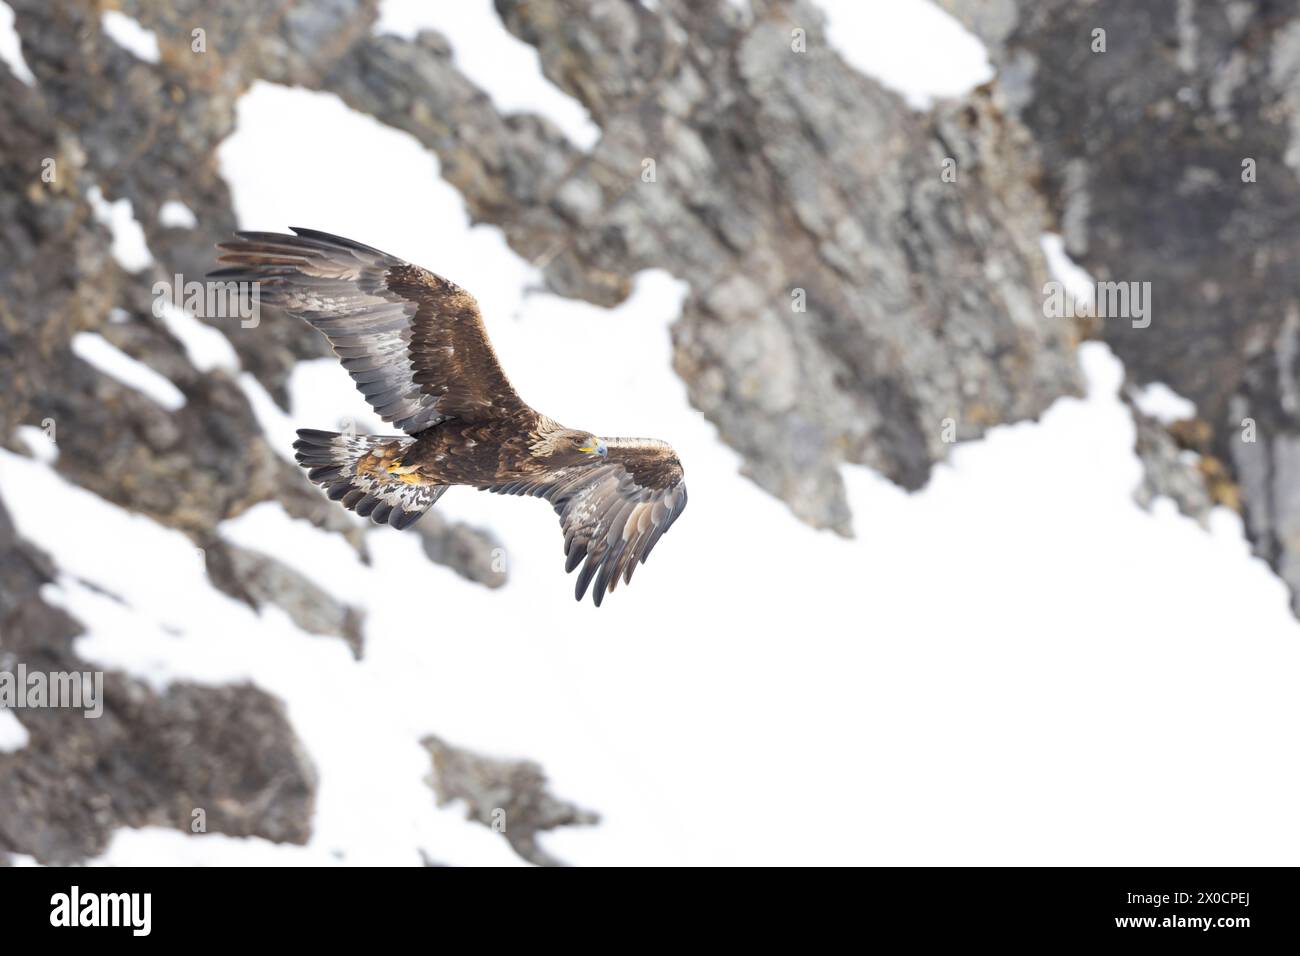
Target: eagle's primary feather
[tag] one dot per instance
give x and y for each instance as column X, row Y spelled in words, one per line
column 416, row 346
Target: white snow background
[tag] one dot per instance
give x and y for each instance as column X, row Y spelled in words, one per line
column 1014, row 665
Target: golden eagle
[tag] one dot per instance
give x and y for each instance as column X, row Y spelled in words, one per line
column 416, row 347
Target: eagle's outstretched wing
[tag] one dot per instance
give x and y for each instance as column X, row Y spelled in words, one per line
column 412, row 341
column 612, row 512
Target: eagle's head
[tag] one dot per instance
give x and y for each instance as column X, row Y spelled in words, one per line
column 572, row 447
column 562, row 447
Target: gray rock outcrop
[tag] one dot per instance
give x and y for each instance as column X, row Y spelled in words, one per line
column 1173, row 157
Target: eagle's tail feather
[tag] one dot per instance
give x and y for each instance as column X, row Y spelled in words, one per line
column 353, row 471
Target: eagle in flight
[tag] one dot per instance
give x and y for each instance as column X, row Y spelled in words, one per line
column 417, row 349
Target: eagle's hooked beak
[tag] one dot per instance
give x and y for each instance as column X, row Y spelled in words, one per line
column 597, row 448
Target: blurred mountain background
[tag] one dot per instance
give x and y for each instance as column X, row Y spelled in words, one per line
column 853, row 270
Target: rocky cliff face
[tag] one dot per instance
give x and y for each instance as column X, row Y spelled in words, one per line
column 865, row 283
column 1171, row 157
column 149, row 759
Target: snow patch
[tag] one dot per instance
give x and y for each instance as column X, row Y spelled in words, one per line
column 1076, row 280
column 130, row 35
column 206, row 348
column 174, row 214
column 11, row 47
column 494, row 59
column 146, row 845
column 279, row 428
column 129, row 246
column 912, row 47
column 112, row 361
column 38, row 443
column 1157, row 400
column 13, row 735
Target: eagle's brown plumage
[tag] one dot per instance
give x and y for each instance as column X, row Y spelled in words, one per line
column 416, row 347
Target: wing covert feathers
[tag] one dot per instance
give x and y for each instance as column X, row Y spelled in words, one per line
column 413, row 342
